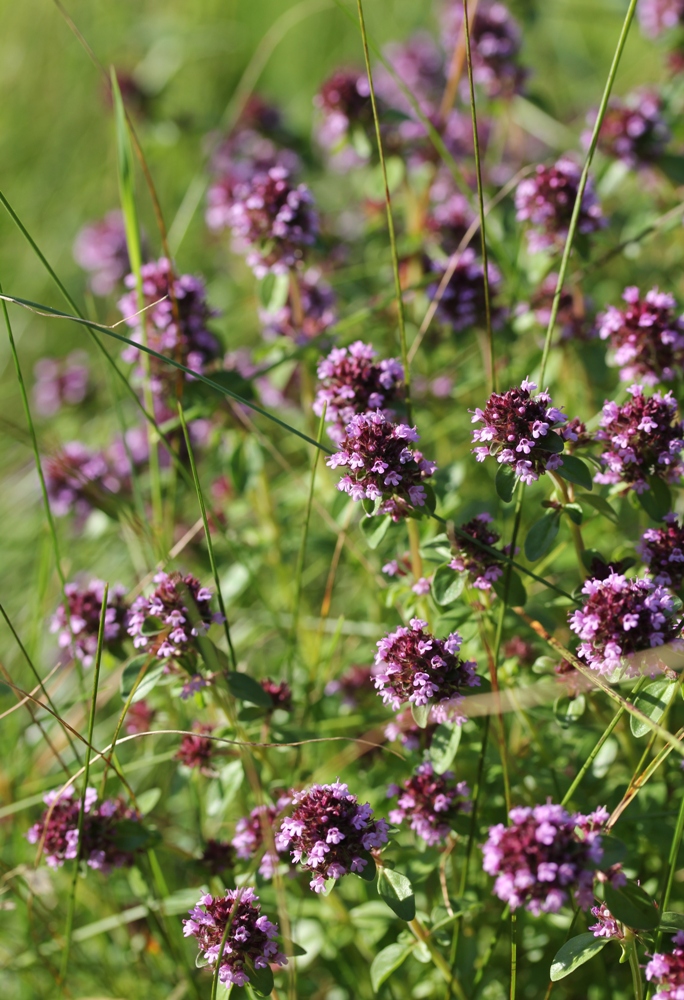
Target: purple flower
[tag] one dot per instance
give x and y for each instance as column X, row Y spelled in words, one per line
column 546, row 201
column 139, row 717
column 482, row 567
column 352, row 382
column 646, row 337
column 381, row 465
column 621, row 618
column 353, row 685
column 633, row 130
column 163, row 624
column 329, row 834
column 666, row 971
column 521, row 430
column 542, row 855
column 343, row 104
column 606, row 925
column 662, row 549
column 258, row 829
column 644, row 439
column 57, row 829
column 450, row 214
column 177, row 330
column 79, row 628
column 317, row 304
column 462, row 304
column 101, row 249
column 78, row 480
column 197, row 750
column 419, row 64
column 59, row 382
column 413, row 665
column 250, row 940
column 430, row 803
column 406, row 730
column 218, row 856
column 280, row 693
column 658, row 16
column 495, row 40
column 273, row 221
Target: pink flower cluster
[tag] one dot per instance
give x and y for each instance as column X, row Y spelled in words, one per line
column 249, row 942
column 78, row 628
column 606, row 925
column 633, row 130
column 162, row 624
column 546, row 201
column 662, row 549
column 415, row 666
column 482, row 567
column 60, row 381
column 495, row 40
column 77, row 480
column 646, row 336
column 343, row 104
column 329, row 834
column 666, row 971
column 462, row 304
column 196, row 750
column 257, row 829
column 101, row 249
column 620, row 619
column 317, row 302
column 429, row 802
column 658, row 16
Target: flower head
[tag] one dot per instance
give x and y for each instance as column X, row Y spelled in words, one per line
column 139, row 717
column 462, row 303
column 60, row 381
column 430, row 803
column 606, row 925
column 257, row 829
column 415, row 666
column 101, row 249
column 495, row 40
column 197, row 750
column 329, row 834
column 163, row 624
column 317, row 301
column 78, row 629
column 632, row 130
column 666, row 971
column 218, row 856
column 250, row 940
column 351, row 381
column 354, row 685
column 546, row 201
column 280, row 693
column 647, row 338
column 620, row 619
column 644, row 438
column 521, row 431
column 343, row 105
column 659, row 16
column 482, row 567
column 662, row 549
column 78, row 480
column 542, row 855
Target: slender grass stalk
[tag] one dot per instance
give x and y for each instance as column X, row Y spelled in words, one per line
column 71, row 905
column 514, row 954
column 574, row 220
column 671, row 867
column 637, row 984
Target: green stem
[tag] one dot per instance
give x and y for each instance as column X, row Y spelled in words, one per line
column 438, row 959
column 672, row 865
column 636, row 972
column 514, row 955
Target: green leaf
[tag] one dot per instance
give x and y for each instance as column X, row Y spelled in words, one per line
column 260, row 980
column 672, row 166
column 131, row 835
column 430, row 500
column 445, row 741
column 631, row 906
column 388, row 961
column 447, row 585
column 126, row 171
column 397, row 892
column 505, row 482
column 574, row 512
column 656, row 501
column 552, row 442
column 574, row 470
column 652, row 701
column 517, row 595
column 541, row 535
column 614, row 852
column 151, row 626
column 600, row 504
column 421, row 714
column 370, row 871
column 245, row 688
column 671, row 922
column 200, row 961
column 130, row 673
column 569, row 710
column 574, row 953
column 146, row 801
column 374, row 529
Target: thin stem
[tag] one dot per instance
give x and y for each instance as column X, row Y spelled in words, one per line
column 440, row 962
column 572, row 228
column 514, row 954
column 636, row 972
column 672, row 865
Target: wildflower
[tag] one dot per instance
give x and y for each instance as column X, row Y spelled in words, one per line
column 101, row 249
column 78, row 629
column 329, row 834
column 391, row 568
column 250, row 940
column 406, row 730
column 644, row 439
column 343, row 103
column 415, row 666
column 666, row 971
column 495, row 40
column 646, row 336
column 621, row 618
column 546, row 201
column 272, row 221
column 450, row 216
column 658, row 16
column 430, row 802
column 197, row 750
column 482, row 567
column 257, row 829
column 521, row 431
column 78, row 479
column 279, row 693
column 542, row 855
column 521, row 650
column 462, row 303
column 356, row 682
column 419, row 64
column 317, row 306
column 218, row 856
column 382, row 467
column 163, row 624
column 606, row 925
column 59, row 382
column 58, row 830
column 632, row 130
column 662, row 549
column 139, row 717
column 352, row 382
column 422, row 586
column 176, row 326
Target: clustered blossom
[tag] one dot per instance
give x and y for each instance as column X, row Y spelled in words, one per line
column 78, row 628
column 520, row 430
column 58, row 830
column 546, row 201
column 542, row 855
column 328, row 833
column 280, row 693
column 273, row 220
column 60, row 381
column 606, row 925
column 77, row 480
column 353, row 685
column 317, row 307
column 482, row 567
column 162, row 623
column 352, row 382
column 644, row 439
column 382, row 466
column 662, row 549
column 251, row 835
column 196, row 750
column 413, row 665
column 621, row 618
column 462, row 303
column 495, row 40
column 176, row 326
column 646, row 336
column 430, row 803
column 101, row 249
column 249, row 943
column 633, row 130
column 450, row 216
column 343, row 103
column 139, row 717
column 666, row 971
column 658, row 16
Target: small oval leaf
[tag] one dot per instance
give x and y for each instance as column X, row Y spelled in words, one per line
column 421, row 714
column 574, row 953
column 445, row 741
column 505, row 482
column 541, row 535
column 600, row 504
column 632, row 906
column 130, row 675
column 386, row 962
column 447, row 585
column 574, row 470
column 652, row 701
column 397, row 892
column 374, row 529
column 517, row 595
column 245, row 688
column 656, row 501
